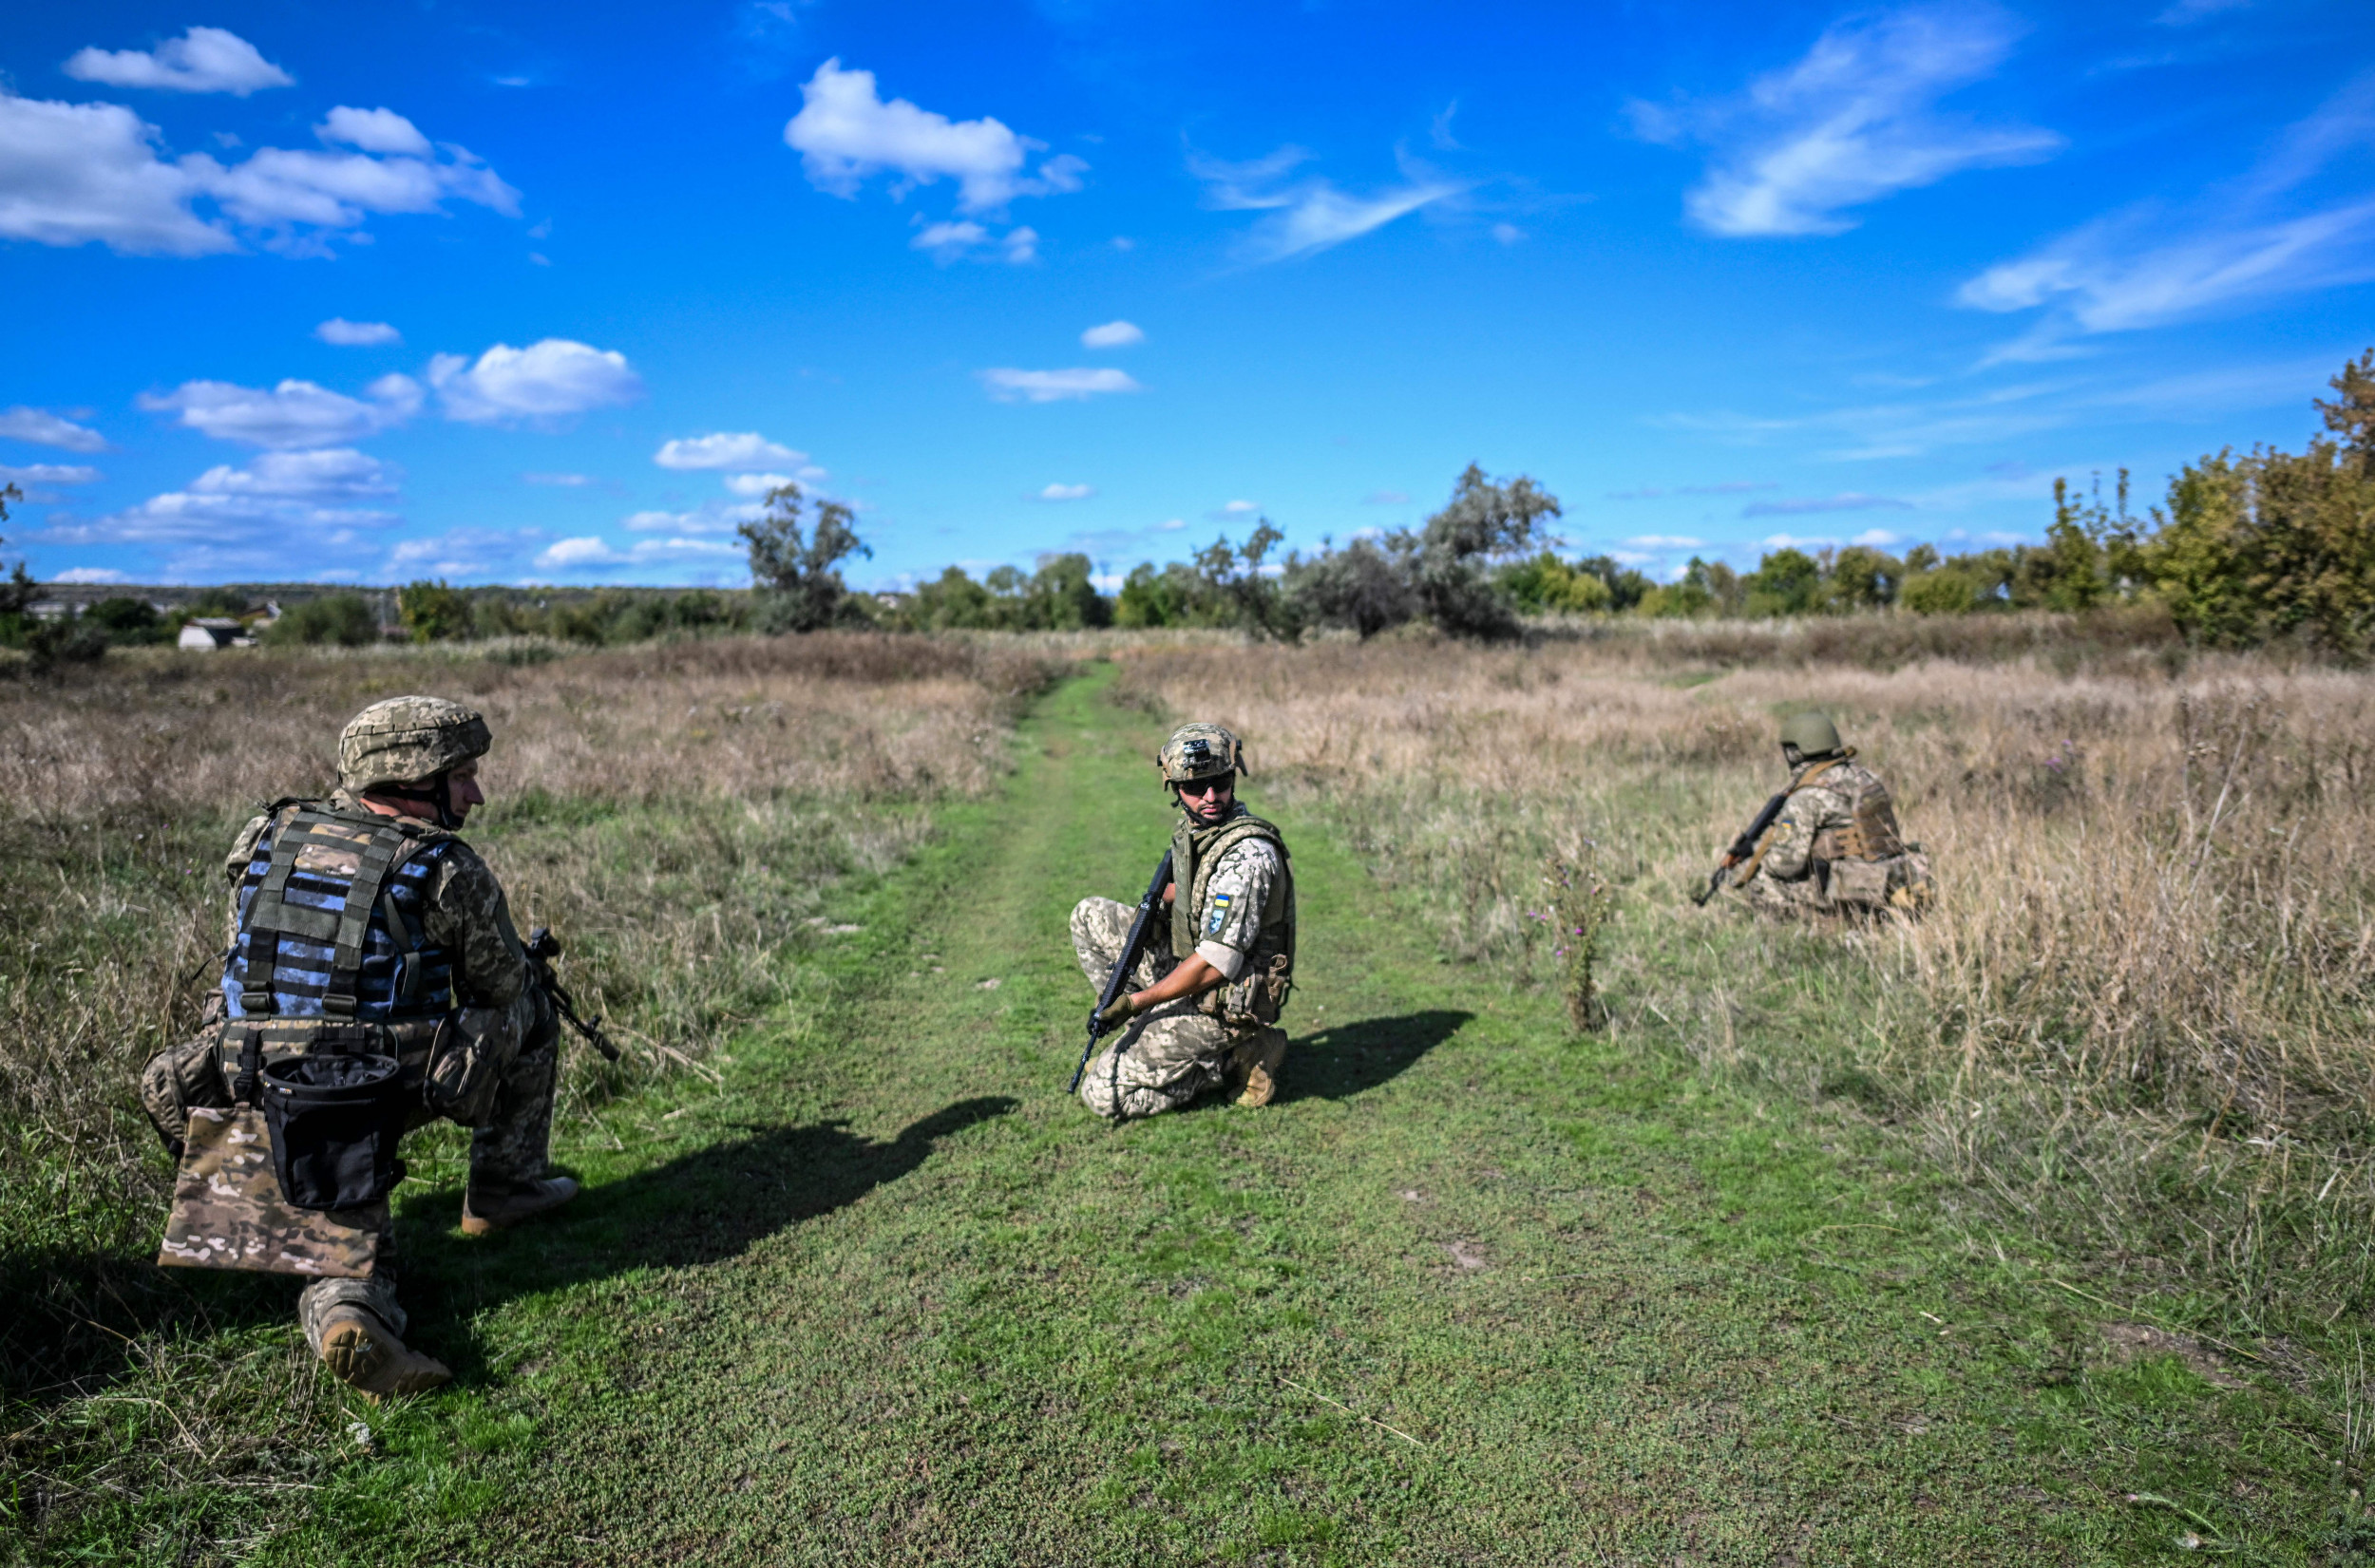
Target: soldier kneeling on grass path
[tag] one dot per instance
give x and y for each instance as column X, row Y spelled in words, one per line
column 1835, row 846
column 1203, row 1010
column 373, row 975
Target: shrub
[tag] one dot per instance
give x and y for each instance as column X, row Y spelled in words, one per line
column 345, row 619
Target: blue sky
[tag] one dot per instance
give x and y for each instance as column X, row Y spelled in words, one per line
column 544, row 294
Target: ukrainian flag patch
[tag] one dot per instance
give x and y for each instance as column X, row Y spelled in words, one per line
column 1217, row 916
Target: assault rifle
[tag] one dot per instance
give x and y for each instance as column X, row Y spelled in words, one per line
column 1119, row 979
column 1742, row 847
column 542, row 947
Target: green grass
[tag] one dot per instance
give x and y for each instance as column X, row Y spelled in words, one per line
column 1474, row 1290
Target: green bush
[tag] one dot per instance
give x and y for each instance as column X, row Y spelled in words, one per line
column 346, row 619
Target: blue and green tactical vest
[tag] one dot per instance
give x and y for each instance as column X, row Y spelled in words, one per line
column 330, row 912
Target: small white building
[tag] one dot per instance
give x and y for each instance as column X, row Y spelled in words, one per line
column 209, row 632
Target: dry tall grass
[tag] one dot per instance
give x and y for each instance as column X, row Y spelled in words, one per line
column 675, row 811
column 2140, row 1013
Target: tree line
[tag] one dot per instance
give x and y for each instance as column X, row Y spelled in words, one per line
column 2246, row 548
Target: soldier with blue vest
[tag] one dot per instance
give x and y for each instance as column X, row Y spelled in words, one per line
column 1203, row 1007
column 362, row 924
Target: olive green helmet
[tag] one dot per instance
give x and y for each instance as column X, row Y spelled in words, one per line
column 1812, row 734
column 405, row 740
column 1199, row 751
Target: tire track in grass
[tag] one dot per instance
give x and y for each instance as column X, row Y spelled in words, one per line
column 1473, row 1291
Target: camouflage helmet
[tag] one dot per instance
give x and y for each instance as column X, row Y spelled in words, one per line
column 1199, row 751
column 405, row 739
column 1813, row 734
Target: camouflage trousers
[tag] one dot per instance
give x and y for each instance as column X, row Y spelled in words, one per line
column 1165, row 1056
column 510, row 1148
column 1909, row 890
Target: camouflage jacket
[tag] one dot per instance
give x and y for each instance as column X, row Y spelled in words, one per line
column 1841, row 812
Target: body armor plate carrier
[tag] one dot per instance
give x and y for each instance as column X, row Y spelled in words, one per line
column 1259, row 992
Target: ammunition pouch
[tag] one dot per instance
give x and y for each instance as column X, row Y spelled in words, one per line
column 335, row 1122
column 1256, row 997
column 179, row 1079
column 466, row 1065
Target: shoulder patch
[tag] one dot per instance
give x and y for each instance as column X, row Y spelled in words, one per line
column 1217, row 916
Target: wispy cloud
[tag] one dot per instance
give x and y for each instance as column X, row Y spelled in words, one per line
column 734, row 450
column 1065, row 492
column 356, row 335
column 1854, row 120
column 1308, row 215
column 43, row 428
column 1006, row 385
column 1112, row 335
column 1853, row 500
column 2248, row 239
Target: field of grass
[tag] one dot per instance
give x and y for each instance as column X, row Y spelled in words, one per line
column 853, row 1281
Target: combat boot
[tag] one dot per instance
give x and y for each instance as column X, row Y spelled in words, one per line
column 361, row 1352
column 487, row 1211
column 1253, row 1067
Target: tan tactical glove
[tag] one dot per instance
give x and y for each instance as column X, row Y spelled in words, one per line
column 1119, row 1012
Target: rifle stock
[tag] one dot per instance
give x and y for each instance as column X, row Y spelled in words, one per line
column 1120, row 976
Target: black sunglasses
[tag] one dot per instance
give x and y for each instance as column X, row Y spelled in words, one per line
column 1201, row 787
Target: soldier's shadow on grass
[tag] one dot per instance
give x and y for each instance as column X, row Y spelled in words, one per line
column 1341, row 1060
column 705, row 1206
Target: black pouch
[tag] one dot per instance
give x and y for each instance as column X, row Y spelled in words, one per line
column 334, row 1123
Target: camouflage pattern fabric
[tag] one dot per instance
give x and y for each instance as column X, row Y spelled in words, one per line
column 1164, row 1057
column 1198, row 752
column 1785, row 884
column 513, row 1147
column 228, row 1212
column 1233, row 901
column 407, row 739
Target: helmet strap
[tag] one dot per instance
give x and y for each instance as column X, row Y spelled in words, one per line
column 436, row 792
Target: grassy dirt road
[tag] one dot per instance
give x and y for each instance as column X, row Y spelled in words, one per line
column 1474, row 1290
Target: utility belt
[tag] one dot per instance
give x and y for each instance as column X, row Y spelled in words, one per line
column 445, row 1065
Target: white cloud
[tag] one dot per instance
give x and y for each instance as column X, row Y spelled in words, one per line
column 756, row 486
column 2240, row 242
column 589, row 552
column 947, row 241
column 1067, row 492
column 72, row 174
column 47, row 473
column 742, row 450
column 1851, row 500
column 255, row 502
column 93, row 575
column 711, row 517
column 1020, row 244
column 293, row 415
column 1171, row 525
column 1879, row 537
column 1009, row 385
column 1853, row 122
column 1666, row 541
column 356, row 335
column 547, row 381
column 43, row 428
column 1231, row 511
column 336, row 473
column 1306, row 215
column 201, row 59
column 374, row 131
column 1112, row 335
column 846, row 134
